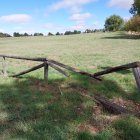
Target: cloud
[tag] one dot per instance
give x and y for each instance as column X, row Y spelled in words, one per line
column 1, row 30
column 16, row 18
column 73, row 5
column 80, row 17
column 125, row 4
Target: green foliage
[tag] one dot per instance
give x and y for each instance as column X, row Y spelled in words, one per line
column 113, row 23
column 127, row 129
column 133, row 24
column 38, row 34
column 4, row 35
column 58, row 33
column 50, row 34
column 135, row 9
column 16, row 34
column 71, row 33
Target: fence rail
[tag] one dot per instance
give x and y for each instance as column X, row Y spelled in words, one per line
column 135, row 66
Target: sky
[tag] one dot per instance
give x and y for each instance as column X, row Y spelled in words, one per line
column 58, row 15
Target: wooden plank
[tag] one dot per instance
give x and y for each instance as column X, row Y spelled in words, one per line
column 46, row 70
column 27, row 71
column 110, row 106
column 4, row 66
column 58, row 69
column 136, row 72
column 74, row 69
column 95, row 75
column 24, row 58
column 115, row 69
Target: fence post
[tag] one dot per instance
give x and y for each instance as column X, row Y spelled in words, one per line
column 136, row 72
column 4, row 66
column 46, row 69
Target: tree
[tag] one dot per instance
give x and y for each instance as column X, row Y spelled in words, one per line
column 88, row 31
column 133, row 24
column 71, row 33
column 58, row 33
column 25, row 34
column 38, row 34
column 4, row 35
column 16, row 34
column 113, row 23
column 50, row 34
column 135, row 9
column 68, row 33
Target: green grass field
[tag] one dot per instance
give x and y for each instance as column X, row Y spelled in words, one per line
column 31, row 109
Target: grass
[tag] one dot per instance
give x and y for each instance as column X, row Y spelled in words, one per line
column 30, row 109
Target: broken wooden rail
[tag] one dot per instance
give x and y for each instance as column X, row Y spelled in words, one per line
column 46, row 63
column 135, row 66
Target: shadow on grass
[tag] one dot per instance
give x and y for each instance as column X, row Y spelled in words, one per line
column 31, row 109
column 120, row 72
column 123, row 36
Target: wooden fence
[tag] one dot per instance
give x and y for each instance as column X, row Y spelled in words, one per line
column 135, row 66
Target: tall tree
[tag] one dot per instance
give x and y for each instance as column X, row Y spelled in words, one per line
column 133, row 24
column 135, row 9
column 113, row 23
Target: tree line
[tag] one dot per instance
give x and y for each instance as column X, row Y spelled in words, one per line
column 17, row 34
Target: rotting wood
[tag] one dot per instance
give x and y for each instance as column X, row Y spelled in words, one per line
column 4, row 66
column 118, row 68
column 136, row 72
column 95, row 75
column 58, row 69
column 27, row 71
column 110, row 106
column 46, row 70
column 54, row 62
column 137, row 115
column 24, row 58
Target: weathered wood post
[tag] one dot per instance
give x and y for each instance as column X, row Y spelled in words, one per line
column 4, row 66
column 136, row 72
column 46, row 69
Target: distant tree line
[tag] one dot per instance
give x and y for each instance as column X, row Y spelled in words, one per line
column 77, row 32
column 17, row 34
column 4, row 35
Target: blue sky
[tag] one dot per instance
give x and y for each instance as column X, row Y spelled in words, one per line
column 58, row 15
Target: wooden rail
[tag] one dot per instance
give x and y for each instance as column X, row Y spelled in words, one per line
column 135, row 66
column 45, row 63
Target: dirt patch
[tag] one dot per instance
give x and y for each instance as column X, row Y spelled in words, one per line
column 44, row 88
column 87, row 127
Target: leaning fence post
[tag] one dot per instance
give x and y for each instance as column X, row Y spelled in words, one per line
column 136, row 72
column 4, row 66
column 46, row 69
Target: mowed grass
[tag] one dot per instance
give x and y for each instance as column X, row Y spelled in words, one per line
column 32, row 109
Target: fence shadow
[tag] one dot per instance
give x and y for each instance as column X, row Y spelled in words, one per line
column 120, row 72
column 31, row 109
column 123, row 36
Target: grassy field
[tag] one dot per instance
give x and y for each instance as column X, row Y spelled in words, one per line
column 30, row 109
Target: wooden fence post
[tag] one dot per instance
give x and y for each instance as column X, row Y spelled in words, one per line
column 46, row 69
column 136, row 72
column 4, row 66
